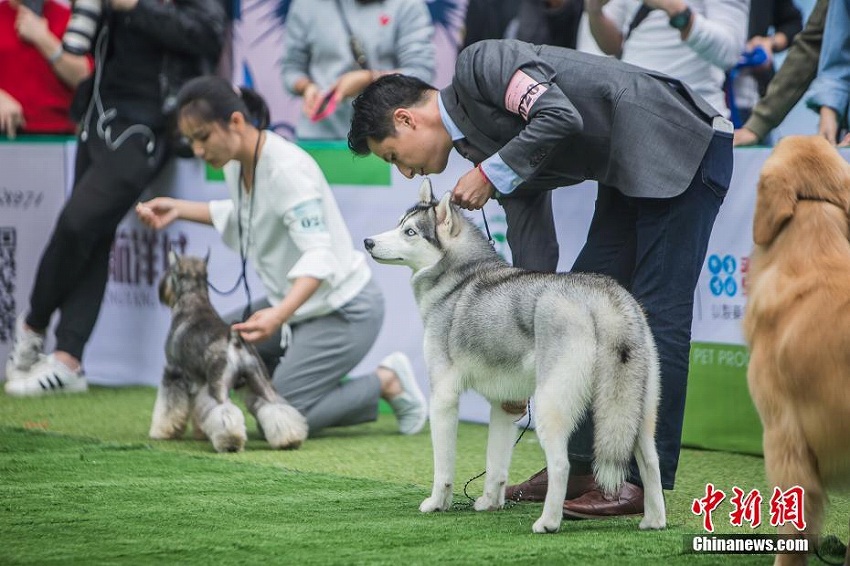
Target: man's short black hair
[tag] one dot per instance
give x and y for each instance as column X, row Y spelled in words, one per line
column 374, row 107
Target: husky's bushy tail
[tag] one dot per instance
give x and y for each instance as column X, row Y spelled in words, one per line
column 623, row 402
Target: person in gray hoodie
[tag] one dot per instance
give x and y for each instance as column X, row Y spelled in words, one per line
column 335, row 48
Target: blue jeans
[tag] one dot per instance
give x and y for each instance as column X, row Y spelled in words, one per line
column 655, row 248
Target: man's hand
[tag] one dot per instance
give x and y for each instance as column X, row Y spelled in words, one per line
column 29, row 26
column 765, row 43
column 260, row 325
column 472, row 190
column 310, row 99
column 352, row 83
column 743, row 136
column 11, row 115
column 828, row 126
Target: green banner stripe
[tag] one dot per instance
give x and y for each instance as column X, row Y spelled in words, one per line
column 214, row 174
column 339, row 165
column 719, row 414
column 37, row 138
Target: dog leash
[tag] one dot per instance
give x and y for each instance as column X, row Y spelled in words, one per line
column 243, row 247
column 470, row 480
column 487, row 229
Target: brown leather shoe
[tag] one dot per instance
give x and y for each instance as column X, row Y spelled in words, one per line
column 594, row 504
column 534, row 488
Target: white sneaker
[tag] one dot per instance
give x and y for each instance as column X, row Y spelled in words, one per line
column 27, row 350
column 46, row 377
column 410, row 407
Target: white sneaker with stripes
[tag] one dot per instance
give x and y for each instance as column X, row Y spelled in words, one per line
column 47, row 377
column 27, row 350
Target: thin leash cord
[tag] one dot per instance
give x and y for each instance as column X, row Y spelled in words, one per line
column 487, row 229
column 243, row 246
column 470, row 480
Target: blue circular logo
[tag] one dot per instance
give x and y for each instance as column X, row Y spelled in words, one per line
column 714, row 264
column 731, row 287
column 716, row 286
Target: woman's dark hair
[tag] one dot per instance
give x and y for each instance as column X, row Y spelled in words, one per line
column 213, row 99
column 374, row 107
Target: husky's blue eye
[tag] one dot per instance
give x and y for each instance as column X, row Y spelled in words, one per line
column 410, row 232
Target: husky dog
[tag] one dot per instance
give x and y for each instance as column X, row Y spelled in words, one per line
column 205, row 359
column 573, row 341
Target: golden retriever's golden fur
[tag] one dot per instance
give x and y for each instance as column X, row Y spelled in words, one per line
column 797, row 322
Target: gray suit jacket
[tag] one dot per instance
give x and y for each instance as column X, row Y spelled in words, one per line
column 600, row 119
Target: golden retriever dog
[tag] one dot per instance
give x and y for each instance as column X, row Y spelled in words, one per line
column 797, row 323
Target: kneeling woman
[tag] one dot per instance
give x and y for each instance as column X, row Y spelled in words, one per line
column 283, row 218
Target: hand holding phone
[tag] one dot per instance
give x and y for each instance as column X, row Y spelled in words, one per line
column 326, row 107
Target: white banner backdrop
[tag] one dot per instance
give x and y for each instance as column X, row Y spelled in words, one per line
column 32, row 181
column 127, row 345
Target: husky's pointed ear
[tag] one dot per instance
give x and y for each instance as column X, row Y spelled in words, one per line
column 447, row 215
column 426, row 192
column 172, row 257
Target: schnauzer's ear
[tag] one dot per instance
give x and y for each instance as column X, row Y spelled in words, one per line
column 172, row 257
column 166, row 291
column 447, row 215
column 426, row 192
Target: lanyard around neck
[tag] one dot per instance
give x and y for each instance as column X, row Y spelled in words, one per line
column 243, row 249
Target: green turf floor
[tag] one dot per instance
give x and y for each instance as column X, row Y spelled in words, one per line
column 80, row 483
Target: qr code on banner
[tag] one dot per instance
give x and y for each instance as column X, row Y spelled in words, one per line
column 8, row 246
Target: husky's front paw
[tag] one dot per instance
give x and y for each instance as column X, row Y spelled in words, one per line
column 487, row 503
column 436, row 504
column 544, row 525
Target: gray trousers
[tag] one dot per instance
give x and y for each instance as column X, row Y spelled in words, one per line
column 321, row 352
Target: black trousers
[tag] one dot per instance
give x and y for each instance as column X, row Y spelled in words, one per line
column 73, row 270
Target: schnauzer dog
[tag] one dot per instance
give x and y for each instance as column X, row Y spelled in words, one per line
column 205, row 360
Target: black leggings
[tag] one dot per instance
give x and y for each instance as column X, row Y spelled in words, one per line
column 73, row 270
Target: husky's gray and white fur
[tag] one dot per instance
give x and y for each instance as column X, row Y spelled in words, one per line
column 573, row 341
column 205, row 360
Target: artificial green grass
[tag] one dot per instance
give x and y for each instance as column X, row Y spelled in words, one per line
column 80, row 483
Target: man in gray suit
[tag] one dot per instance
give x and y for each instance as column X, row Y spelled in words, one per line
column 535, row 118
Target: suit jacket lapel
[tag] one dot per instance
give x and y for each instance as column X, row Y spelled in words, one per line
column 477, row 146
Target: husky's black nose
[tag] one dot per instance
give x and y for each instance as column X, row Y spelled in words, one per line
column 369, row 243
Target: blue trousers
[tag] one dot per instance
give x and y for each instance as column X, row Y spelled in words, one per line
column 655, row 248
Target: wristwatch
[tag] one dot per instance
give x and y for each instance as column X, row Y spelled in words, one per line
column 682, row 19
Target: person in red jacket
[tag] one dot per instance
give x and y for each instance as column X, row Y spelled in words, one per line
column 36, row 88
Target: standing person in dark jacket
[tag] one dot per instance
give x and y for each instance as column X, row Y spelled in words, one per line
column 143, row 50
column 534, row 118
column 784, row 19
